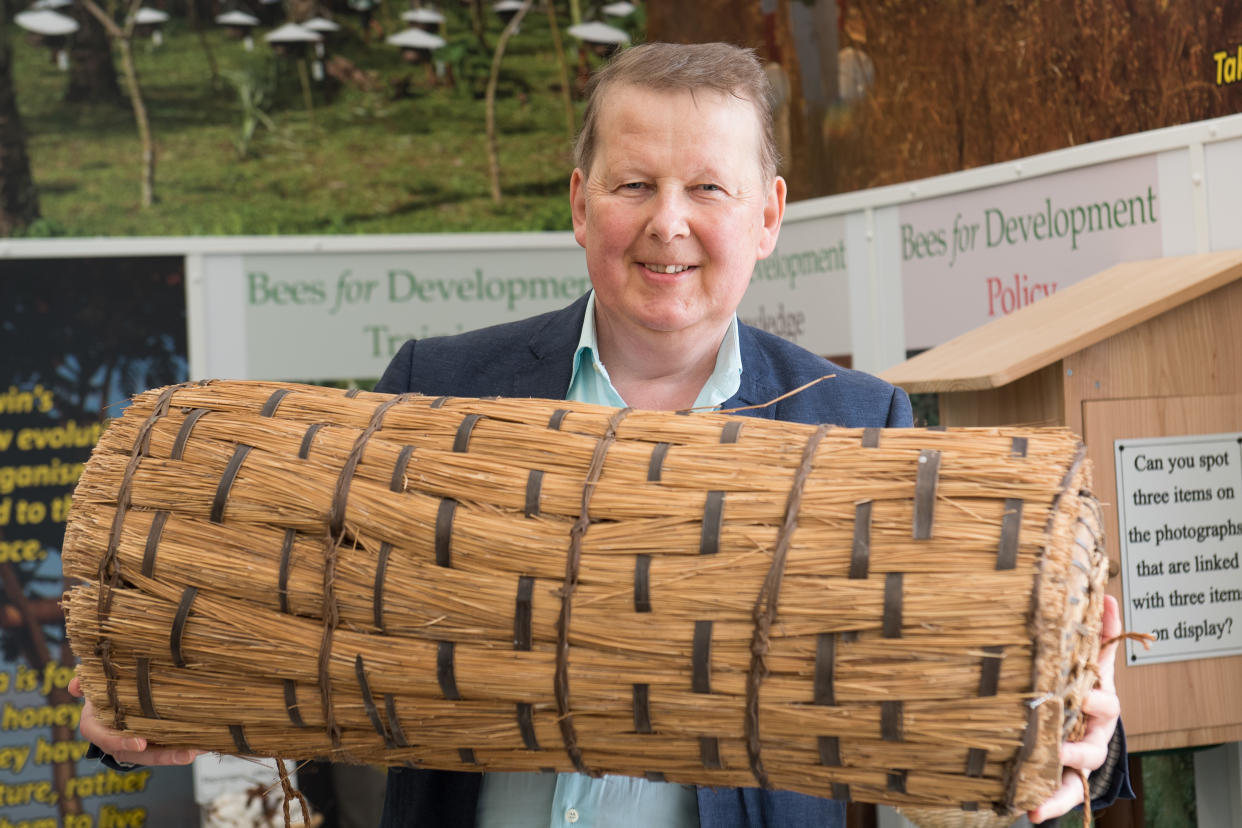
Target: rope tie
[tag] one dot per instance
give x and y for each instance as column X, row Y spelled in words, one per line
column 572, row 560
column 767, row 603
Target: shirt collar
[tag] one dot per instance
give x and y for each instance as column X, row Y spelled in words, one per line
column 590, row 382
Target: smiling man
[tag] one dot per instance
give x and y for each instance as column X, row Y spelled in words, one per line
column 675, row 197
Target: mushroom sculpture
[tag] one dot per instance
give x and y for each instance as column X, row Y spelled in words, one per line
column 327, row 29
column 600, row 38
column 416, row 46
column 620, row 9
column 429, row 20
column 291, row 39
column 51, row 29
column 151, row 21
column 240, row 25
column 507, row 9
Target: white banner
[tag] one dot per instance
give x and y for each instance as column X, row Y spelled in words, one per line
column 1179, row 506
column 801, row 292
column 971, row 257
column 342, row 315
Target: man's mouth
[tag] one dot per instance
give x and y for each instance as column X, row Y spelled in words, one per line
column 659, row 268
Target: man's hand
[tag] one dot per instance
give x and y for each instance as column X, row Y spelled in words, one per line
column 128, row 749
column 1102, row 709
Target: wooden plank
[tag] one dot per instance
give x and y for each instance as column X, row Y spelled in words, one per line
column 1195, row 348
column 1181, row 703
column 1070, row 320
column 1033, row 400
column 1181, row 738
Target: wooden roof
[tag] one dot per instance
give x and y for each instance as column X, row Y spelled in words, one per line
column 1069, row 320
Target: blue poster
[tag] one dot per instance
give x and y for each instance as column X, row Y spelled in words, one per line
column 78, row 337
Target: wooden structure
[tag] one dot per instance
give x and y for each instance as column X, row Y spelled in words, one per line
column 1143, row 349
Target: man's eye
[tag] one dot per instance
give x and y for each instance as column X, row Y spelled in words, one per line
column 711, row 188
column 632, row 185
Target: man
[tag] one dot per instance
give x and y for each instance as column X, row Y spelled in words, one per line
column 674, row 197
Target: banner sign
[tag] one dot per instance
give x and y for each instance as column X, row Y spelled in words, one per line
column 979, row 255
column 1180, row 514
column 801, row 291
column 79, row 336
column 343, row 315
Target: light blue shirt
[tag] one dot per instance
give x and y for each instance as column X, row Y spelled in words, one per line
column 574, row 800
column 590, row 382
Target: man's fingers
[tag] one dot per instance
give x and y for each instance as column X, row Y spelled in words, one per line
column 1102, row 705
column 75, row 687
column 1085, row 755
column 156, row 756
column 1110, row 628
column 1062, row 801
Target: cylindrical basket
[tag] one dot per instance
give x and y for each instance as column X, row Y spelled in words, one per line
column 905, row 616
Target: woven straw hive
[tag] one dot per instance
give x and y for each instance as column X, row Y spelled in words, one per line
column 902, row 616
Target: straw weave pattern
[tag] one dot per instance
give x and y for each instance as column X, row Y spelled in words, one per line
column 902, row 616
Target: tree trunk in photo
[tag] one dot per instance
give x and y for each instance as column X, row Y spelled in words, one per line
column 124, row 40
column 140, row 116
column 92, row 74
column 197, row 15
column 477, row 22
column 563, row 69
column 301, row 10
column 19, row 201
column 493, row 151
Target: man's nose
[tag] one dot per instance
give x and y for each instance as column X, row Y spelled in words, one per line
column 670, row 217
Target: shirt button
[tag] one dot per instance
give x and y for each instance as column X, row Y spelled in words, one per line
column 571, row 815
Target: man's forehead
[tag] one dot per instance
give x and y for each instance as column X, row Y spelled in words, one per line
column 701, row 96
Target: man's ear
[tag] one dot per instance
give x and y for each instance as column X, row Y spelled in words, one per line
column 773, row 213
column 577, row 205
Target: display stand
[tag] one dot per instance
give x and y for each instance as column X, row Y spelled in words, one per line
column 1147, row 349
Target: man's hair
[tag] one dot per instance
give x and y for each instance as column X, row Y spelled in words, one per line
column 689, row 67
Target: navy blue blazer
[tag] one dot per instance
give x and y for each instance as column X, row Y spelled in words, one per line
column 534, row 358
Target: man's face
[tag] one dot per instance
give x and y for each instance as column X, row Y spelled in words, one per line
column 674, row 211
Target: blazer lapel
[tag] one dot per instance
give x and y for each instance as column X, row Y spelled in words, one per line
column 756, row 386
column 546, row 367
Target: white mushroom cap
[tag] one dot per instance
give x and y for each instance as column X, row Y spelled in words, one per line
column 292, row 33
column 596, row 32
column 50, row 4
column 150, row 17
column 415, row 39
column 237, row 18
column 46, row 22
column 621, row 9
column 422, row 16
column 321, row 24
column 507, row 6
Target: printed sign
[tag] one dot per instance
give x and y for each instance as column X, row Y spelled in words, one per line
column 801, row 291
column 342, row 316
column 970, row 258
column 1180, row 516
column 80, row 337
column 324, row 316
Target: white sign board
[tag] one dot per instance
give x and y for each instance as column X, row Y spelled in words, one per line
column 342, row 314
column 972, row 257
column 1179, row 505
column 801, row 292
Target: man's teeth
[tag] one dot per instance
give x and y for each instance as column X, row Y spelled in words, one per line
column 668, row 268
